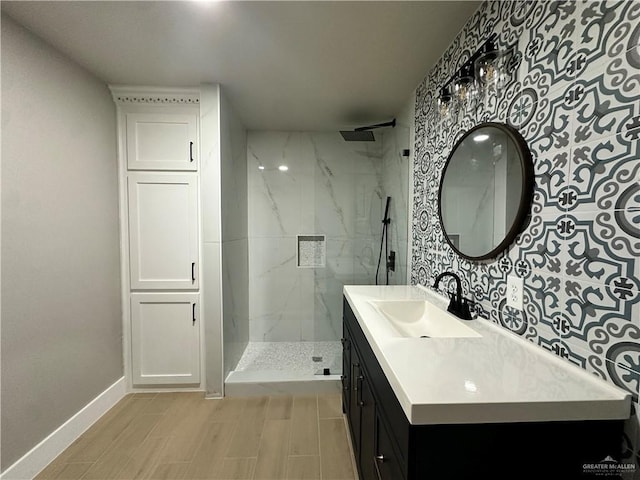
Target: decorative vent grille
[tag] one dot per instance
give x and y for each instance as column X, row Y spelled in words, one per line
column 164, row 100
column 132, row 95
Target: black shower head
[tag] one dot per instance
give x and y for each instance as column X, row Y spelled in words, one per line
column 358, row 136
column 364, row 134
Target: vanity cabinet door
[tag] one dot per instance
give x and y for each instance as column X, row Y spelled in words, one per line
column 366, row 461
column 355, row 373
column 162, row 141
column 346, row 369
column 387, row 465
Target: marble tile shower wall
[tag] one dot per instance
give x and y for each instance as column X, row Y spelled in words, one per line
column 575, row 97
column 332, row 188
column 235, row 249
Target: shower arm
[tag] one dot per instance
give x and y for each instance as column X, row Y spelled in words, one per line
column 392, row 123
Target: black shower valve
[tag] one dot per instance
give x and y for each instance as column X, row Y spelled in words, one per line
column 391, row 262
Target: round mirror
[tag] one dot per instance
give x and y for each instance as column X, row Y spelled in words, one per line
column 485, row 191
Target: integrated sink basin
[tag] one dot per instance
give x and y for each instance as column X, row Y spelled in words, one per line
column 418, row 318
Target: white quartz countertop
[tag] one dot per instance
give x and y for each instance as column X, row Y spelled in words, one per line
column 497, row 377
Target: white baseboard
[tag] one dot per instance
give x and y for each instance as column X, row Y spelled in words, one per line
column 43, row 453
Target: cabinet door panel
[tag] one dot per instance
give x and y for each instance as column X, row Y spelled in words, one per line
column 346, row 369
column 158, row 141
column 163, row 231
column 165, row 338
column 354, row 402
column 367, row 433
column 387, row 463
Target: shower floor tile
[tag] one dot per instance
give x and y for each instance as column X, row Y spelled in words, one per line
column 309, row 358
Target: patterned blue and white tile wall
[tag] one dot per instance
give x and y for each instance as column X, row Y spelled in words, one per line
column 575, row 98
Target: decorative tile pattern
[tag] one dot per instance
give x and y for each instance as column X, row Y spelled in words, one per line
column 600, row 170
column 574, row 95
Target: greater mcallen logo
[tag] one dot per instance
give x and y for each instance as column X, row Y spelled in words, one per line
column 607, row 466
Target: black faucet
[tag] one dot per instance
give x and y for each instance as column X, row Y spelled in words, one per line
column 458, row 304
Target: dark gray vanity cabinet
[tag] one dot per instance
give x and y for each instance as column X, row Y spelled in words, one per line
column 388, row 447
column 358, row 404
column 373, row 448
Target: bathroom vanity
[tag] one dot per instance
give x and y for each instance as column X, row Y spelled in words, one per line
column 427, row 396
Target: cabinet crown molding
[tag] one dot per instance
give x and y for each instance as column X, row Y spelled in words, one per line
column 127, row 95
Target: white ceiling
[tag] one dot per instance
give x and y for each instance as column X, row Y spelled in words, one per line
column 283, row 65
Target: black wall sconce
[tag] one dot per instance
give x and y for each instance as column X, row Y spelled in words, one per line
column 485, row 72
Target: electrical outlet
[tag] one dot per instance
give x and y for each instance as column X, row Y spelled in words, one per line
column 515, row 285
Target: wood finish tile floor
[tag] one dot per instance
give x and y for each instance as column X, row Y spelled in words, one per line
column 182, row 436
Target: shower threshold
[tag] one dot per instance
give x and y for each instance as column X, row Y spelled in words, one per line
column 272, row 368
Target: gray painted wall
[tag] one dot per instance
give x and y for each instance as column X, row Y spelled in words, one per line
column 61, row 314
column 235, row 249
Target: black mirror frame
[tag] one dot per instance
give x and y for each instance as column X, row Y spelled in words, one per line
column 526, row 196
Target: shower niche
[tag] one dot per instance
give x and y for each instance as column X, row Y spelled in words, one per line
column 311, row 251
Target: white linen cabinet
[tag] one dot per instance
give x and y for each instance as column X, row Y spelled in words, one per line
column 160, row 224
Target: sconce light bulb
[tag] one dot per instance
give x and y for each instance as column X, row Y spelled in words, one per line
column 444, row 101
column 444, row 109
column 489, row 67
column 464, row 86
column 464, row 90
column 489, row 73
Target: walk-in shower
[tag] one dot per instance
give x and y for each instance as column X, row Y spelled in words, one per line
column 312, row 228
